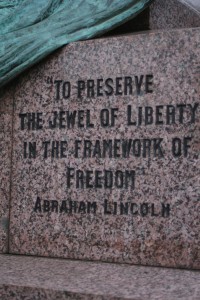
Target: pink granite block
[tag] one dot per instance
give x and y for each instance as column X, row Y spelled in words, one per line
column 6, row 110
column 110, row 189
column 172, row 14
column 44, row 278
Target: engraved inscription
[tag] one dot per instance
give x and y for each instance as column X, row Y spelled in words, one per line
column 119, row 147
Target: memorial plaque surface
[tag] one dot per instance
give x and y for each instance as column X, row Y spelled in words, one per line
column 106, row 152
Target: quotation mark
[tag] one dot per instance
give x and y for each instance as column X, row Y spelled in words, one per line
column 49, row 80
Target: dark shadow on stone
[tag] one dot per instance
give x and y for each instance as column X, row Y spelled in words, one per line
column 139, row 23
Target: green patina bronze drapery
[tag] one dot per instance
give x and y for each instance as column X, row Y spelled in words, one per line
column 31, row 29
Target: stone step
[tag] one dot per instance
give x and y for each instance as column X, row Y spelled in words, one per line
column 26, row 277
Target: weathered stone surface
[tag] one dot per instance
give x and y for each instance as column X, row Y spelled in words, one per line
column 43, row 278
column 6, row 111
column 172, row 14
column 152, row 218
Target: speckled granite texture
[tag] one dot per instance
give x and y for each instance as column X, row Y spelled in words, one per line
column 6, row 111
column 168, row 14
column 156, row 222
column 44, row 278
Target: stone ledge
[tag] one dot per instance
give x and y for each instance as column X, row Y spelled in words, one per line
column 25, row 277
